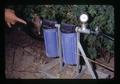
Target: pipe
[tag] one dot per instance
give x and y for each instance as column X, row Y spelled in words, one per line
column 59, row 46
column 78, row 57
column 105, row 66
column 86, row 60
column 82, row 30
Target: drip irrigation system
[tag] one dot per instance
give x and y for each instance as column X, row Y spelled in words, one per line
column 83, row 29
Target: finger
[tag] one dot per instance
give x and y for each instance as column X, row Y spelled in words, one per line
column 12, row 11
column 12, row 23
column 9, row 25
column 20, row 20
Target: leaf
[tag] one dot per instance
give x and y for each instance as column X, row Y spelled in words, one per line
column 92, row 52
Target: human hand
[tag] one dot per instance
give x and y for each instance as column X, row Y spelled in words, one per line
column 11, row 18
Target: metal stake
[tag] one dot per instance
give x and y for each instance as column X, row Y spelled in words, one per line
column 86, row 60
column 79, row 30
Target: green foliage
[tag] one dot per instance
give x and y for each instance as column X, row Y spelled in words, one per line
column 99, row 15
column 93, row 52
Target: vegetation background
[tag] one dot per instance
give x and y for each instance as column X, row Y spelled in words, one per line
column 99, row 15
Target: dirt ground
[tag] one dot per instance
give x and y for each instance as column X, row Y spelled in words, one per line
column 25, row 59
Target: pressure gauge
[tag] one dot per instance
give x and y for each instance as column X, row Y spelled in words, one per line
column 83, row 18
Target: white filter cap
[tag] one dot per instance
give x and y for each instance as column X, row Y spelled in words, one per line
column 84, row 18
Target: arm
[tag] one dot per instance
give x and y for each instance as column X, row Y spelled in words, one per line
column 11, row 18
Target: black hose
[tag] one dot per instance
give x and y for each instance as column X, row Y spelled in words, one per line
column 101, row 33
column 108, row 37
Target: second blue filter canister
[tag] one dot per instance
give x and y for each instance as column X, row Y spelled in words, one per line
column 69, row 44
column 50, row 38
